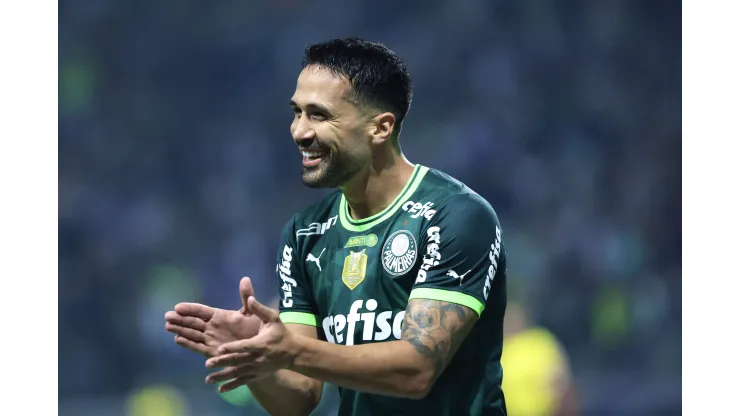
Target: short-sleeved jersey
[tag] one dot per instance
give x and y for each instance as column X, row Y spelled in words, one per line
column 353, row 279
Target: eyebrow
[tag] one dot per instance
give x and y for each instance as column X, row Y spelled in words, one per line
column 312, row 106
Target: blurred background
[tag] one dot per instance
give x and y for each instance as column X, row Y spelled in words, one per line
column 177, row 172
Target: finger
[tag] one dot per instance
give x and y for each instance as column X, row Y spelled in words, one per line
column 227, row 374
column 245, row 291
column 238, row 382
column 233, row 384
column 262, row 311
column 236, row 359
column 191, row 334
column 185, row 321
column 194, row 346
column 197, row 310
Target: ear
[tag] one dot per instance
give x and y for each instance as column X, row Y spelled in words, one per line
column 382, row 127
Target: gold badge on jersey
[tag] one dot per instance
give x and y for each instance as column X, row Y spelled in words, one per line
column 355, row 266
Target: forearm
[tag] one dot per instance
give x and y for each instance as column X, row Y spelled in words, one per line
column 389, row 368
column 568, row 405
column 286, row 393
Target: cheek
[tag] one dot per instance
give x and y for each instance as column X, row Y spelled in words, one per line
column 348, row 143
column 358, row 148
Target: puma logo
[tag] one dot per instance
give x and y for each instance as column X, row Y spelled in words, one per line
column 454, row 275
column 315, row 259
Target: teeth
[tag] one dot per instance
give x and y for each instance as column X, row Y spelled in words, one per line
column 311, row 154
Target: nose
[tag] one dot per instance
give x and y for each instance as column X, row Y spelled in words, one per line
column 301, row 129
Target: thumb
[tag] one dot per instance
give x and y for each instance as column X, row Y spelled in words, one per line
column 263, row 312
column 245, row 291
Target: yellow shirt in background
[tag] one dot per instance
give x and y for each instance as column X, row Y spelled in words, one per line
column 531, row 360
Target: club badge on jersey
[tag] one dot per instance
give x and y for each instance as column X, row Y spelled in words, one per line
column 399, row 252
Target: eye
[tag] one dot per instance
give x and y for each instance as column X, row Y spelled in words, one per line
column 318, row 117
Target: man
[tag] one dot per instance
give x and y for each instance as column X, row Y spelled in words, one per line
column 539, row 378
column 402, row 270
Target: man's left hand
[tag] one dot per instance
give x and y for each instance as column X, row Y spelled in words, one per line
column 272, row 349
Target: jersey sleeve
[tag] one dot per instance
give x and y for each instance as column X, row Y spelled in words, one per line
column 463, row 254
column 297, row 305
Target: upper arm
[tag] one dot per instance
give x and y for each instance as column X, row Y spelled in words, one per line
column 296, row 304
column 562, row 377
column 436, row 329
column 563, row 385
column 463, row 257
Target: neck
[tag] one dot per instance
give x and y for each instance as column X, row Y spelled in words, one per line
column 374, row 188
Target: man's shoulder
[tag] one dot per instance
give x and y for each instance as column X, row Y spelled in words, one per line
column 449, row 193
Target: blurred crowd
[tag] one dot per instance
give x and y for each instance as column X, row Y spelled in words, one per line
column 177, row 172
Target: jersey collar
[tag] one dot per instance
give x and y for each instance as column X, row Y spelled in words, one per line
column 367, row 223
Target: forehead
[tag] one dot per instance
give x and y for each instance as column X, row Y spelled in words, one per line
column 317, row 85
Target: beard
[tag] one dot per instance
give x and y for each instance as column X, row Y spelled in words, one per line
column 334, row 170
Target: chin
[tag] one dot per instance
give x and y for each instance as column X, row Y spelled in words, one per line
column 316, row 178
column 327, row 175
column 315, row 184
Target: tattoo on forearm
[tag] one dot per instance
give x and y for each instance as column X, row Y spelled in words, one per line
column 436, row 329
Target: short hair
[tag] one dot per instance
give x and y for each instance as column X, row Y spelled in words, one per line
column 377, row 75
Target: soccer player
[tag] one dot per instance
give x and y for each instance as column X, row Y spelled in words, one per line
column 402, row 269
column 539, row 377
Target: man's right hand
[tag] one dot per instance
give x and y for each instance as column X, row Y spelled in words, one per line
column 203, row 329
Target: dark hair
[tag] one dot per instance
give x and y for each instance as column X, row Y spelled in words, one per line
column 377, row 75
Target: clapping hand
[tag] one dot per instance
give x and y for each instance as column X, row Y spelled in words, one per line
column 272, row 349
column 203, row 329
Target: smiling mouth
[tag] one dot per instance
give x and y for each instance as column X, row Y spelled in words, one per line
column 312, row 158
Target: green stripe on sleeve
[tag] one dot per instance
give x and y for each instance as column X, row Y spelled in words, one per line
column 298, row 318
column 448, row 296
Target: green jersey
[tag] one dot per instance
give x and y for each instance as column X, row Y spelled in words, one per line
column 352, row 279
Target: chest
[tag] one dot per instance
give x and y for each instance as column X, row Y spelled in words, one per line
column 361, row 280
column 380, row 258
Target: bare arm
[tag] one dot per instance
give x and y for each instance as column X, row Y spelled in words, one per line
column 565, row 385
column 287, row 392
column 433, row 331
